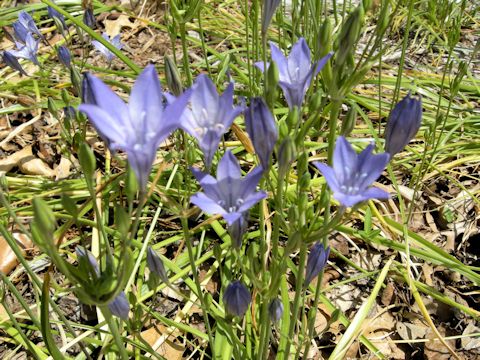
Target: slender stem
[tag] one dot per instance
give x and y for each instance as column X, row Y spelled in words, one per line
column 191, row 257
column 265, row 326
column 332, row 127
column 298, row 296
column 115, row 333
column 186, row 63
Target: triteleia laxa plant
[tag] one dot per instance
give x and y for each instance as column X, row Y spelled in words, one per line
column 295, row 71
column 230, row 194
column 352, row 174
column 209, row 116
column 138, row 127
column 317, row 259
column 24, row 25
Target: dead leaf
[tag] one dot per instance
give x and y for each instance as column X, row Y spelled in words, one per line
column 244, row 139
column 8, row 260
column 12, row 160
column 412, row 331
column 114, row 27
column 471, row 343
column 62, row 171
column 434, row 349
column 170, row 349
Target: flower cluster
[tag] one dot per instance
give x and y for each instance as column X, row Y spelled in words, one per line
column 27, row 37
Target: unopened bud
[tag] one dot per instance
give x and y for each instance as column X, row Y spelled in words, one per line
column 119, row 306
column 172, row 75
column 317, row 259
column 155, row 265
column 349, row 122
column 275, row 310
column 237, row 299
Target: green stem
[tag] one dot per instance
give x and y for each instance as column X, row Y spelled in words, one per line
column 298, row 296
column 112, row 325
column 332, row 127
column 186, row 63
column 191, row 257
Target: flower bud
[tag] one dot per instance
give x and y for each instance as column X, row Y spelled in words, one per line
column 286, row 155
column 261, row 129
column 89, row 18
column 12, row 61
column 349, row 122
column 349, row 35
column 57, row 17
column 236, row 299
column 317, row 259
column 88, row 95
column 64, row 56
column 275, row 310
column 269, row 8
column 119, row 306
column 172, row 75
column 155, row 265
column 87, row 261
column 403, row 123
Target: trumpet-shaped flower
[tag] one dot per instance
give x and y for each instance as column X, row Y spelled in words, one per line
column 295, row 71
column 403, row 123
column 210, row 115
column 115, row 41
column 352, row 174
column 28, row 50
column 317, row 259
column 24, row 25
column 261, row 129
column 138, row 127
column 236, row 298
column 11, row 60
column 229, row 194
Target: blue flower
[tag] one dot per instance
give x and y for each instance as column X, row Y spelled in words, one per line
column 261, row 129
column 352, row 174
column 115, row 41
column 317, row 259
column 11, row 60
column 237, row 299
column 28, row 50
column 24, row 25
column 295, row 72
column 229, row 194
column 138, row 127
column 269, row 8
column 403, row 123
column 209, row 116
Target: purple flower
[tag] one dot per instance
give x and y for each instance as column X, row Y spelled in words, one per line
column 210, row 115
column 275, row 310
column 236, row 298
column 155, row 265
column 261, row 129
column 115, row 41
column 138, row 127
column 64, row 56
column 54, row 14
column 229, row 194
column 119, row 306
column 352, row 174
column 317, row 259
column 295, row 72
column 24, row 25
column 403, row 123
column 11, row 60
column 28, row 50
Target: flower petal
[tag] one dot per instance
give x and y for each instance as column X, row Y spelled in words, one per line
column 207, row 204
column 228, row 167
column 344, row 160
column 107, row 126
column 329, row 175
